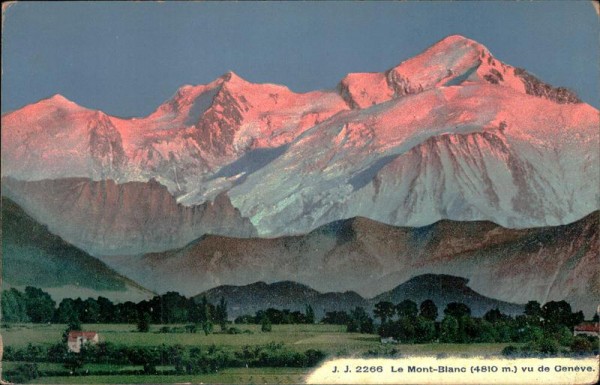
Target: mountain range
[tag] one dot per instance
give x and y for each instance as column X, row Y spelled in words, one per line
column 368, row 257
column 452, row 162
column 441, row 289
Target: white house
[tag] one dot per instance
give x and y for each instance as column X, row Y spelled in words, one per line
column 78, row 338
column 587, row 328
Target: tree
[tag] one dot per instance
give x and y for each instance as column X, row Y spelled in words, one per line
column 206, row 316
column 265, row 324
column 297, row 317
column 581, row 345
column 428, row 310
column 207, row 327
column 336, row 318
column 73, row 324
column 548, row 346
column 22, row 373
column 533, row 311
column 277, row 316
column 384, row 310
column 494, row 316
column 309, row 315
column 245, row 319
column 73, row 362
column 91, row 311
column 145, row 356
column 360, row 322
column 531, row 333
column 128, row 312
column 469, row 329
column 106, row 310
column 66, row 311
column 168, row 308
column 557, row 314
column 405, row 332
column 143, row 323
column 457, row 310
column 407, row 308
column 14, row 306
column 424, row 330
column 40, row 306
column 221, row 314
column 449, row 329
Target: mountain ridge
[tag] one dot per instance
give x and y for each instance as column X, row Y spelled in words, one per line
column 442, row 289
column 106, row 218
column 225, row 118
column 482, row 56
column 361, row 255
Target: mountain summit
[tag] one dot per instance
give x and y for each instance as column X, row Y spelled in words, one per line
column 452, row 133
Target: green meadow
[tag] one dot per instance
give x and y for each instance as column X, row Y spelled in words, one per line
column 333, row 340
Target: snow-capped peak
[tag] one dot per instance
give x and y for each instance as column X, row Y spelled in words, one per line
column 215, row 137
column 450, row 61
column 57, row 101
column 58, row 98
column 232, row 77
column 452, row 42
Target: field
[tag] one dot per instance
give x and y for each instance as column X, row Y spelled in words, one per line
column 331, row 339
column 226, row 376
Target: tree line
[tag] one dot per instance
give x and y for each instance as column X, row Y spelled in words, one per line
column 546, row 329
column 183, row 360
column 35, row 305
column 279, row 317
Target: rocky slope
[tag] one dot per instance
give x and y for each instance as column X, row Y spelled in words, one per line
column 105, row 218
column 368, row 257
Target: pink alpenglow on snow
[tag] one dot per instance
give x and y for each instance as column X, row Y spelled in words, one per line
column 452, row 133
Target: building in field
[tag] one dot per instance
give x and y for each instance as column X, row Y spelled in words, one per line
column 587, row 328
column 388, row 340
column 78, row 338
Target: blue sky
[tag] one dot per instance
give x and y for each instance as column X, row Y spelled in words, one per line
column 126, row 58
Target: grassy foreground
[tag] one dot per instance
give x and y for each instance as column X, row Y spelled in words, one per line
column 331, row 339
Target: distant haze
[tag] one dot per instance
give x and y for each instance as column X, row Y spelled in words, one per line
column 125, row 58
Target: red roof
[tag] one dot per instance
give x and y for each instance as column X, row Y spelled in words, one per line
column 74, row 334
column 588, row 327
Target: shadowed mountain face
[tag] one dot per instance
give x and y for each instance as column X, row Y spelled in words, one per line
column 32, row 256
column 442, row 289
column 105, row 218
column 294, row 296
column 368, row 257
